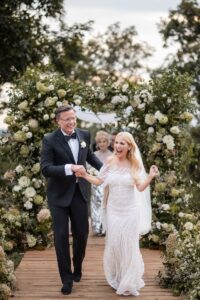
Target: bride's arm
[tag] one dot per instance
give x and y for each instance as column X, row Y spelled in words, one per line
column 141, row 186
column 92, row 179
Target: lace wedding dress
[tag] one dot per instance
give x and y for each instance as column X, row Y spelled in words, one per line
column 123, row 263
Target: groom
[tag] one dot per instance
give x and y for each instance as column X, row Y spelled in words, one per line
column 64, row 152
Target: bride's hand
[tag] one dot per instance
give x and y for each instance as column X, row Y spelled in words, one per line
column 154, row 172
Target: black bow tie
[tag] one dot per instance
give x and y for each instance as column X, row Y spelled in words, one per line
column 72, row 136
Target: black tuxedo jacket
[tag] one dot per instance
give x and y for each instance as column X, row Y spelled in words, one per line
column 55, row 154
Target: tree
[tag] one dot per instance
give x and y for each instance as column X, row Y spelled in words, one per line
column 116, row 53
column 23, row 34
column 183, row 27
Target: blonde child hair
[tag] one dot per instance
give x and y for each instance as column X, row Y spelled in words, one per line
column 101, row 134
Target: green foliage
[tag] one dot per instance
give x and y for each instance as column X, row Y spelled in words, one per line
column 182, row 27
column 23, row 34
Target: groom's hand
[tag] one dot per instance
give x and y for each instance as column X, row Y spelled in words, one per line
column 79, row 170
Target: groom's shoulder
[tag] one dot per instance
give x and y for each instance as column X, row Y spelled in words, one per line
column 51, row 135
column 83, row 131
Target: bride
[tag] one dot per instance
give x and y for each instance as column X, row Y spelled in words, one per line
column 123, row 173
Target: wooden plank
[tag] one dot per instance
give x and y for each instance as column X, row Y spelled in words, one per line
column 38, row 278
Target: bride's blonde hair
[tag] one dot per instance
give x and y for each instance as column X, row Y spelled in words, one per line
column 135, row 165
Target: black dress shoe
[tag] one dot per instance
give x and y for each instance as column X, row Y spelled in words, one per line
column 67, row 288
column 77, row 277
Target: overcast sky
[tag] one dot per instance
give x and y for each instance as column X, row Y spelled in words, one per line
column 143, row 14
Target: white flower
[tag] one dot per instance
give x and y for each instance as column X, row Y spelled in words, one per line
column 158, row 114
column 59, row 103
column 52, row 116
column 150, row 119
column 50, row 101
column 31, row 240
column 25, row 128
column 77, row 101
column 44, row 214
column 119, row 99
column 124, row 87
column 83, row 144
column 24, row 181
column 165, row 206
column 136, row 101
column 28, row 205
column 33, row 123
column 23, row 105
column 181, row 214
column 175, row 130
column 16, row 188
column 19, row 169
column 29, row 135
column 158, row 225
column 142, row 106
column 150, row 130
column 169, row 141
column 188, row 226
column 30, row 192
column 46, row 117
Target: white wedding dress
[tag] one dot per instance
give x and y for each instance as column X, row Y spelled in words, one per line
column 123, row 263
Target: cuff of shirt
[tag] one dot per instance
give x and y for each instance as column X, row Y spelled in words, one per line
column 68, row 169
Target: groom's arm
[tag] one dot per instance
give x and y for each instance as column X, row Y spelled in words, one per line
column 48, row 167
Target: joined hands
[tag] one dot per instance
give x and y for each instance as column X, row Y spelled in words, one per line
column 78, row 170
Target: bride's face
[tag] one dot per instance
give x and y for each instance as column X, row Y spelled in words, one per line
column 121, row 147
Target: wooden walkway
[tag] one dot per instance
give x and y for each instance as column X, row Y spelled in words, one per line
column 38, row 278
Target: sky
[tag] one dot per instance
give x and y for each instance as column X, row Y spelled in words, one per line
column 143, row 14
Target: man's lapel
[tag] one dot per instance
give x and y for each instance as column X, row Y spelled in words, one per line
column 65, row 145
column 80, row 139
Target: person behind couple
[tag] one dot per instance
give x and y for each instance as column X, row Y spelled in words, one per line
column 102, row 140
column 65, row 151
column 123, row 263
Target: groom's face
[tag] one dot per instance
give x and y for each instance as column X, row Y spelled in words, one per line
column 67, row 121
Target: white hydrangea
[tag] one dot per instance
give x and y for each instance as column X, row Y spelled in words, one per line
column 28, row 205
column 150, row 119
column 150, row 130
column 188, row 226
column 169, row 141
column 165, row 207
column 29, row 135
column 175, row 130
column 119, row 99
column 136, row 101
column 16, row 188
column 19, row 169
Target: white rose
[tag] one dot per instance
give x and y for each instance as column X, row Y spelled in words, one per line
column 165, row 207
column 29, row 192
column 169, row 141
column 24, row 181
column 19, row 169
column 16, row 188
column 33, row 123
column 83, row 144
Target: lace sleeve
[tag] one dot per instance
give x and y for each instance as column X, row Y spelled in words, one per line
column 103, row 173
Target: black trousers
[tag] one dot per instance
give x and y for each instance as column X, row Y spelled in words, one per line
column 78, row 214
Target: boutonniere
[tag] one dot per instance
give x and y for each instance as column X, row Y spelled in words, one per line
column 83, row 144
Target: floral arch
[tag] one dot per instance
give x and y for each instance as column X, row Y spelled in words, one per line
column 156, row 113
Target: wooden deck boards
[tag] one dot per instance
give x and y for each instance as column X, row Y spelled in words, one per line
column 38, row 278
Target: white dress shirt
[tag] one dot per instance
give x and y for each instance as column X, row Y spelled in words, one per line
column 74, row 145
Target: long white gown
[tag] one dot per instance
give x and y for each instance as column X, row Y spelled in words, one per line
column 123, row 263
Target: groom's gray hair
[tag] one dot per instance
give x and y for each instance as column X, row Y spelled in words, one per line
column 63, row 108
